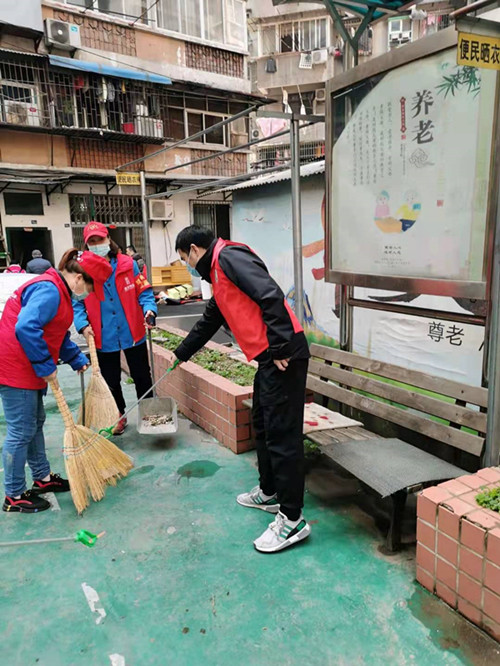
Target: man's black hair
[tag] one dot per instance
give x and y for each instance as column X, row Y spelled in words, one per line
column 193, row 235
column 131, row 247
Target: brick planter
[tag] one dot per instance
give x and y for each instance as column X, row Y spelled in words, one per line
column 212, row 402
column 458, row 548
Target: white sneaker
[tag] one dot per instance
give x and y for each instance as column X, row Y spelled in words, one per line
column 256, row 499
column 282, row 533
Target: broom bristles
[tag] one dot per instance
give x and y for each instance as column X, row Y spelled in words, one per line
column 92, row 462
column 100, row 406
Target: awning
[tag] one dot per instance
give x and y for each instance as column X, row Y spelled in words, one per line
column 108, row 70
column 254, row 180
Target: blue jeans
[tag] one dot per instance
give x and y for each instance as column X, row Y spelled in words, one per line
column 25, row 416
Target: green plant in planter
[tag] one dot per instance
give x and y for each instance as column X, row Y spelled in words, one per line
column 489, row 499
column 218, row 363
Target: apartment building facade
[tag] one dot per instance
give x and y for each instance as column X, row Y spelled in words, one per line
column 89, row 85
column 296, row 47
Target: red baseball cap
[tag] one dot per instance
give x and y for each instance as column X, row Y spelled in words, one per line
column 94, row 229
column 97, row 267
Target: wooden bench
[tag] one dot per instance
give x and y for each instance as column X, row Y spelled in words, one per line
column 446, row 417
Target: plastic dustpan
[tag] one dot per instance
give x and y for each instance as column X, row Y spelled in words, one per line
column 156, row 416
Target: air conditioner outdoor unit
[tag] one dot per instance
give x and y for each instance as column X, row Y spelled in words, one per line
column 149, row 127
column 320, row 95
column 65, row 36
column 160, row 209
column 320, row 57
column 20, row 104
column 255, row 132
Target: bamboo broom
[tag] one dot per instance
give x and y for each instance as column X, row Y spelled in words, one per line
column 100, row 406
column 91, row 461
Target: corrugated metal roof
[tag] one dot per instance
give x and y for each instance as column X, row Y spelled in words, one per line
column 310, row 169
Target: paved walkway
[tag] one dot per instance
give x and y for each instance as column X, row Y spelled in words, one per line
column 180, row 583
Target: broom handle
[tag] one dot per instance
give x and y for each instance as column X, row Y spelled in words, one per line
column 62, row 404
column 152, row 361
column 94, row 361
column 82, row 387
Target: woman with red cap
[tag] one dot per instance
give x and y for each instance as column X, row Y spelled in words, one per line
column 34, row 334
column 118, row 322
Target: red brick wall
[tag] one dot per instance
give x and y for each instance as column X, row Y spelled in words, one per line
column 458, row 548
column 212, row 402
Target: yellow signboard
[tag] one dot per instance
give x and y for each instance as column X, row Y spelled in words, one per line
column 478, row 51
column 123, row 178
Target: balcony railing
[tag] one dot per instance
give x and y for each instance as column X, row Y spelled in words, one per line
column 42, row 98
column 279, row 154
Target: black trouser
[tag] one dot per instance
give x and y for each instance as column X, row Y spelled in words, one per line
column 138, row 363
column 278, row 418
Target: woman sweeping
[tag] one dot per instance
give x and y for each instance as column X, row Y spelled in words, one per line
column 34, row 335
column 118, row 323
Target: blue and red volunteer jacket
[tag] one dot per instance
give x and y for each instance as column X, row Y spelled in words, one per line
column 118, row 321
column 34, row 332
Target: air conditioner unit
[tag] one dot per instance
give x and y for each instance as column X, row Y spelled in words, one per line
column 320, row 95
column 149, row 127
column 20, row 104
column 255, row 132
column 62, row 35
column 306, row 61
column 319, row 57
column 161, row 209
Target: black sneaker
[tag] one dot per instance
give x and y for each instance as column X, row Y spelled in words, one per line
column 29, row 502
column 55, row 485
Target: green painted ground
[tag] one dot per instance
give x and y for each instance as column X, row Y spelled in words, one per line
column 181, row 584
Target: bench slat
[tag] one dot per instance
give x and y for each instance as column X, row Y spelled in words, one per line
column 449, row 412
column 474, row 395
column 457, row 438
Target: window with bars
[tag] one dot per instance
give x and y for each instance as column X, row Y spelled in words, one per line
column 280, row 155
column 118, row 210
column 214, row 216
column 307, row 35
column 34, row 95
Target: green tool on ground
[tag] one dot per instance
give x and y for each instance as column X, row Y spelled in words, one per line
column 108, row 432
column 82, row 536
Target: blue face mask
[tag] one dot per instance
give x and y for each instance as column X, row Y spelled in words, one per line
column 101, row 250
column 192, row 270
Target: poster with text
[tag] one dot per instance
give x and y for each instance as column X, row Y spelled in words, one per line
column 410, row 173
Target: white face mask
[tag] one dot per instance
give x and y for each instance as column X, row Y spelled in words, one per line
column 101, row 250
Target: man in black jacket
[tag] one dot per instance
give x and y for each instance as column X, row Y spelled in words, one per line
column 254, row 307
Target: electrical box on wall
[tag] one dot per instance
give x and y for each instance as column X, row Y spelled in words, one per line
column 161, row 209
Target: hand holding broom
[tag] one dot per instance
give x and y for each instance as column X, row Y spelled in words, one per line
column 91, row 461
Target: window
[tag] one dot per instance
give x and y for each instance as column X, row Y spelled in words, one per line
column 268, row 39
column 23, row 203
column 123, row 8
column 220, row 21
column 197, row 122
column 294, row 36
column 213, row 216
